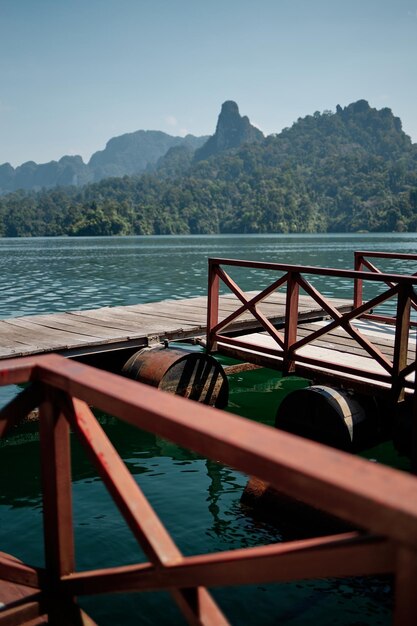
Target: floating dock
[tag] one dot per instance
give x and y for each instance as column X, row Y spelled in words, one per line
column 95, row 331
column 297, row 333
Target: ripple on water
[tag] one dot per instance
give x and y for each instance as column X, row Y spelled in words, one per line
column 197, row 499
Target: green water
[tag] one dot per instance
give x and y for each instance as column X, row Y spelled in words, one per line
column 199, row 503
column 197, row 499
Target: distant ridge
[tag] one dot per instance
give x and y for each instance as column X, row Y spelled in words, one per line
column 132, row 154
column 126, row 155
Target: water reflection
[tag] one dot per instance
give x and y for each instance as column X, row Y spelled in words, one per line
column 198, row 501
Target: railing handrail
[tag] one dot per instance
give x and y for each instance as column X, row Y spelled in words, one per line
column 376, row 498
column 394, row 373
column 377, row 254
column 318, row 271
column 360, row 260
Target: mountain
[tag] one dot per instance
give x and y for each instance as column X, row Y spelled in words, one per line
column 133, row 153
column 232, row 131
column 70, row 170
column 126, row 155
column 345, row 171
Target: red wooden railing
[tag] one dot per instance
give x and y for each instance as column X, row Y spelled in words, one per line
column 362, row 262
column 286, row 346
column 378, row 500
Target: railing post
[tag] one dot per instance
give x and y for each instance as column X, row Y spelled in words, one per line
column 405, row 610
column 414, row 418
column 402, row 331
column 358, row 283
column 57, row 500
column 291, row 322
column 212, row 304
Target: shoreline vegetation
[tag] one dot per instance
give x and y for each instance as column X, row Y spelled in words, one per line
column 350, row 171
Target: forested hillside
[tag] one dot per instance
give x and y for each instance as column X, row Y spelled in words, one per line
column 349, row 170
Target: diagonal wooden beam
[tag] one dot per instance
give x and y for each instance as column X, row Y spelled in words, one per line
column 347, row 317
column 22, row 611
column 249, row 305
column 14, row 571
column 135, row 508
column 328, row 479
column 262, row 319
column 19, row 407
column 198, row 606
column 344, row 323
column 128, row 496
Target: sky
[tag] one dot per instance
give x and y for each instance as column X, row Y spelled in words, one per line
column 74, row 73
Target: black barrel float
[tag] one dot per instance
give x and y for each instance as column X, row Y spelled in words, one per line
column 334, row 417
column 193, row 375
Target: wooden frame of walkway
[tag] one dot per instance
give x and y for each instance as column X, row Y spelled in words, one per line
column 322, row 349
column 378, row 500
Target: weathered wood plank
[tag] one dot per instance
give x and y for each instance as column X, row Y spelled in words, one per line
column 40, row 331
column 112, row 326
column 337, row 338
column 104, row 321
column 54, row 322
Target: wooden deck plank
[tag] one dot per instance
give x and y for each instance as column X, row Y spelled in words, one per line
column 11, row 335
column 109, row 327
column 56, row 322
column 150, row 324
column 338, row 349
column 104, row 321
column 340, row 340
column 40, row 331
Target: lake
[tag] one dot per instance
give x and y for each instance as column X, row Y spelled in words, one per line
column 57, row 274
column 197, row 499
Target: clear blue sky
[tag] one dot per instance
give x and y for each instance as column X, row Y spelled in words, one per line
column 74, row 73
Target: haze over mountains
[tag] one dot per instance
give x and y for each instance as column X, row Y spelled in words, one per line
column 129, row 154
column 125, row 155
column 349, row 170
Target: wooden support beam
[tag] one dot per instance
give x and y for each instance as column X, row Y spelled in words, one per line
column 212, row 306
column 56, row 487
column 402, row 332
column 198, row 607
column 18, row 409
column 14, row 571
column 291, row 321
column 22, row 611
column 138, row 513
column 129, row 498
column 328, row 479
column 405, row 608
column 349, row 554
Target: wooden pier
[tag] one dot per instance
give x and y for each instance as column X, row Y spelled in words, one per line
column 299, row 333
column 287, row 325
column 97, row 331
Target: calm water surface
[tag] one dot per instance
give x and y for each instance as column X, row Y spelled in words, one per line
column 58, row 274
column 197, row 499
